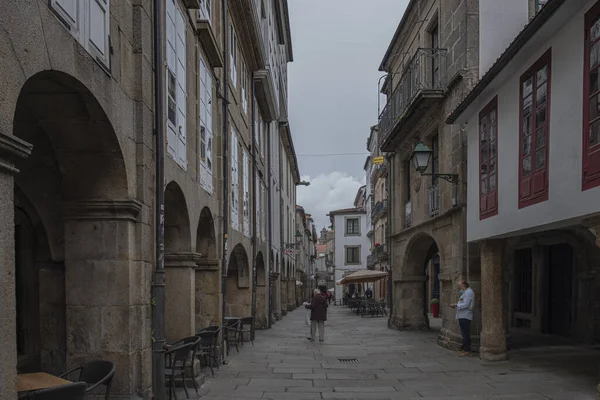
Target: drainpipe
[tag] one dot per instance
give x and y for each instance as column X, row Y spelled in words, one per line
column 158, row 278
column 269, row 218
column 254, row 188
column 388, row 185
column 225, row 151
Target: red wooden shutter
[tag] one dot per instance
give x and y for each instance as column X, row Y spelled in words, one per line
column 488, row 160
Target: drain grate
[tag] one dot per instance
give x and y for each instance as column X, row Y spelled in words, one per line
column 348, row 360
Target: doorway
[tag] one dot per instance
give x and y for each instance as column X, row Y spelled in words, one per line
column 560, row 289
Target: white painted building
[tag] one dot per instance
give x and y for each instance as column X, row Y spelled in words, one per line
column 352, row 246
column 533, row 197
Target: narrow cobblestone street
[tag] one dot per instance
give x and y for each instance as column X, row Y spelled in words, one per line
column 391, row 365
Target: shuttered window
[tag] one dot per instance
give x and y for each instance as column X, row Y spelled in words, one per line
column 206, row 134
column 235, row 220
column 176, row 84
column 488, row 160
column 246, row 200
column 89, row 22
column 534, row 132
column 233, row 55
column 244, row 85
column 205, row 10
column 591, row 106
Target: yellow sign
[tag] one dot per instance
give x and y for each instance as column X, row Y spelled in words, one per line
column 377, row 160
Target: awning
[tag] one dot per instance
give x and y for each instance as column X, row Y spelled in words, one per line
column 363, row 275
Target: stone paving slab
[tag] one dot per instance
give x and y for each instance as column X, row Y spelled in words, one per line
column 390, row 365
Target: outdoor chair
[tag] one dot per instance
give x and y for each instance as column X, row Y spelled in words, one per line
column 195, row 342
column 246, row 327
column 94, row 374
column 232, row 334
column 74, row 391
column 208, row 347
column 210, row 328
column 175, row 361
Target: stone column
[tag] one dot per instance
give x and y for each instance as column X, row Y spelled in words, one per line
column 409, row 303
column 208, row 308
column 108, row 290
column 493, row 332
column 274, row 299
column 180, row 296
column 283, row 295
column 11, row 149
column 291, row 287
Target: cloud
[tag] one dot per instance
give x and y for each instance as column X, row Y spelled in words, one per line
column 327, row 192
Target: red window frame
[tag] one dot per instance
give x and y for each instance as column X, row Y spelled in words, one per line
column 534, row 134
column 591, row 105
column 488, row 160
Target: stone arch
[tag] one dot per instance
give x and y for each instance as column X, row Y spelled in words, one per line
column 177, row 221
column 206, row 243
column 238, row 295
column 74, row 192
column 411, row 305
column 262, row 292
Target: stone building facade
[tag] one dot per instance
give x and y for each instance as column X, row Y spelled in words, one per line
column 431, row 62
column 77, row 176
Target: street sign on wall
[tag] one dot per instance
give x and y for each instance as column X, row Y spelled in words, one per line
column 378, row 160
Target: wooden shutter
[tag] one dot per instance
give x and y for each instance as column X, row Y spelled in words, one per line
column 234, row 182
column 181, row 88
column 206, row 127
column 98, row 30
column 591, row 101
column 69, row 12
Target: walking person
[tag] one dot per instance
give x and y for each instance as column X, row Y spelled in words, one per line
column 464, row 315
column 318, row 315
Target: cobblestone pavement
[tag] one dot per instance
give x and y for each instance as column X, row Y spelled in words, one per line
column 391, row 365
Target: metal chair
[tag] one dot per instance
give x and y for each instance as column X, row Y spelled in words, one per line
column 175, row 360
column 232, row 332
column 246, row 327
column 74, row 391
column 94, row 374
column 195, row 342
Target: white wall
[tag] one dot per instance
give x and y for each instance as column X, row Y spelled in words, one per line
column 567, row 203
column 341, row 240
column 499, row 24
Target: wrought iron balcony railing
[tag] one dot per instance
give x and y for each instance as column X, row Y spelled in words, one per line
column 434, row 201
column 379, row 210
column 370, row 261
column 381, row 252
column 426, row 72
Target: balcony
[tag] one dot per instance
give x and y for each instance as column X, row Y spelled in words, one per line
column 421, row 87
column 379, row 210
column 371, row 261
column 434, row 201
column 381, row 252
column 408, row 214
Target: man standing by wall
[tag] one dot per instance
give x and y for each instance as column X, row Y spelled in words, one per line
column 464, row 315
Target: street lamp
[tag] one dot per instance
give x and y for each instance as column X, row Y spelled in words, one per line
column 303, row 183
column 420, row 158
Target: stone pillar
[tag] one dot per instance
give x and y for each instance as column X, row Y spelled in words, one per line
column 208, row 307
column 274, row 296
column 409, row 303
column 108, row 290
column 283, row 295
column 180, row 296
column 11, row 149
column 594, row 225
column 493, row 332
column 291, row 289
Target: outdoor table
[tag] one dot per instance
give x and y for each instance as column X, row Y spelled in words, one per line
column 38, row 380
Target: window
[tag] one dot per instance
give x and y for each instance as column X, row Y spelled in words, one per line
column 206, row 136
column 352, row 226
column 244, row 85
column 488, row 160
column 233, row 54
column 176, row 84
column 408, row 187
column 205, row 9
column 591, row 115
column 89, row 22
column 534, row 130
column 539, row 4
column 435, row 62
column 435, row 159
column 246, row 200
column 234, row 182
column 352, row 255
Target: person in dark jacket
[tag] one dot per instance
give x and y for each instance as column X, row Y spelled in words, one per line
column 318, row 315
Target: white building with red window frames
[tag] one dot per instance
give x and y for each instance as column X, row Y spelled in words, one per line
column 533, row 197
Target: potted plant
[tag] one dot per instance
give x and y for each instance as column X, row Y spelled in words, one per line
column 435, row 307
column 377, row 244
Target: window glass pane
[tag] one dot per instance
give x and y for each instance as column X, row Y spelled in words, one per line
column 594, row 107
column 526, row 167
column 493, row 165
column 540, row 95
column 527, row 104
column 483, row 185
column 540, row 138
column 493, row 149
column 492, row 126
column 594, row 134
column 202, row 143
column 595, row 30
column 540, row 119
column 483, row 124
column 492, row 183
column 527, row 124
column 594, row 80
column 594, row 55
column 527, row 87
column 542, row 75
column 540, row 158
column 171, row 91
column 484, row 166
column 527, row 145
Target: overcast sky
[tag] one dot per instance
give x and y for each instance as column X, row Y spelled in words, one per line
column 338, row 46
